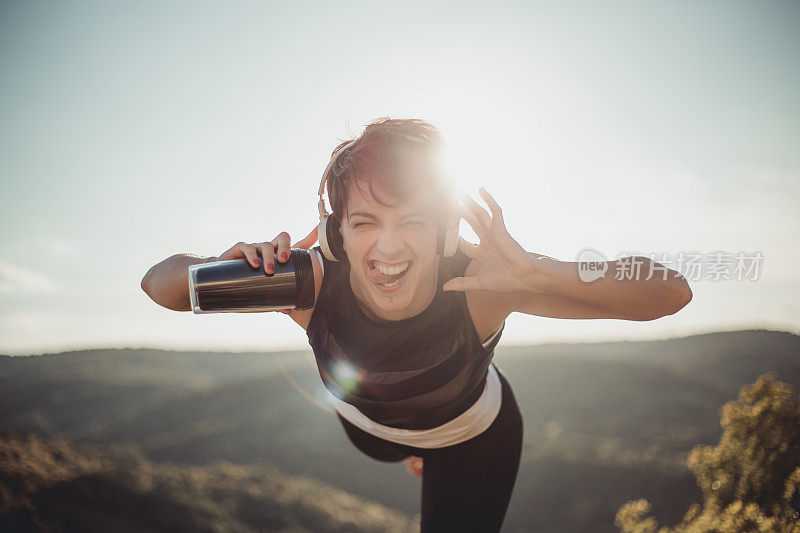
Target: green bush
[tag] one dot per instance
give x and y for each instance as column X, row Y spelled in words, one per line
column 751, row 479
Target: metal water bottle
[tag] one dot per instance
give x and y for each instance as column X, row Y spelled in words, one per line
column 235, row 286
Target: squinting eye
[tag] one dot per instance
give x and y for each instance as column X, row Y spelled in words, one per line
column 361, row 224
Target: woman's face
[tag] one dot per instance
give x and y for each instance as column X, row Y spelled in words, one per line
column 392, row 253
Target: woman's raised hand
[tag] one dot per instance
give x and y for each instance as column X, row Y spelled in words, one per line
column 503, row 262
column 279, row 248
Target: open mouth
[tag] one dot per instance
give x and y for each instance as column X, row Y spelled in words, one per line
column 387, row 275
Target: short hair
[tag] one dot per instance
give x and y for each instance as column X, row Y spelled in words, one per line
column 377, row 155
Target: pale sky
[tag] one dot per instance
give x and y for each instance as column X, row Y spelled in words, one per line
column 131, row 131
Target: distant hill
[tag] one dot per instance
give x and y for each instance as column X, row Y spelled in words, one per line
column 604, row 422
column 53, row 485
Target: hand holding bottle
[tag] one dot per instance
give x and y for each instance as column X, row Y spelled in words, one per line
column 278, row 248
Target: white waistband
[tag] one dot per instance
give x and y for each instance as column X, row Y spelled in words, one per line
column 468, row 424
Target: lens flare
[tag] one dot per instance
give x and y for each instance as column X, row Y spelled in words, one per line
column 322, row 403
column 346, row 376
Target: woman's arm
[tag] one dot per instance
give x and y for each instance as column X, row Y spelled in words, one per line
column 512, row 279
column 167, row 283
column 555, row 288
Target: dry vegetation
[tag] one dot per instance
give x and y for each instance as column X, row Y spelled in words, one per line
column 53, row 486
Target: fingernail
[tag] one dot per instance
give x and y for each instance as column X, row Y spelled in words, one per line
column 255, row 263
column 270, row 268
column 284, row 256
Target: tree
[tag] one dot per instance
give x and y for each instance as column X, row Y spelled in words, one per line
column 751, row 479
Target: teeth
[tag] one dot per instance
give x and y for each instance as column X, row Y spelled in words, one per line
column 386, row 268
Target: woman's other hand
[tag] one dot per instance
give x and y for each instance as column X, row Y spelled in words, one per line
column 503, row 262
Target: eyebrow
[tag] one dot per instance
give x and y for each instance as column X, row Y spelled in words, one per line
column 362, row 214
column 373, row 217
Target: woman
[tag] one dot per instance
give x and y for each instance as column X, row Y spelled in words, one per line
column 404, row 329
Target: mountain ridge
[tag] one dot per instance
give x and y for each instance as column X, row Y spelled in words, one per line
column 604, row 422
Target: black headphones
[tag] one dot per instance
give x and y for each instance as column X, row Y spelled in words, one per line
column 330, row 238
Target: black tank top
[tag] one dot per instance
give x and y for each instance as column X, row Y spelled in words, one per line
column 416, row 373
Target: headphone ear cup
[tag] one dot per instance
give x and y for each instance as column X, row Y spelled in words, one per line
column 448, row 237
column 323, row 232
column 451, row 239
column 334, row 237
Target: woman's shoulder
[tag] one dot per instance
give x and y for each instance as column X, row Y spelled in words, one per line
column 486, row 315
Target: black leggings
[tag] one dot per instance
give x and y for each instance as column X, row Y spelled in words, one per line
column 467, row 486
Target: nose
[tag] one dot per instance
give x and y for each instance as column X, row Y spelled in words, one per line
column 390, row 242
